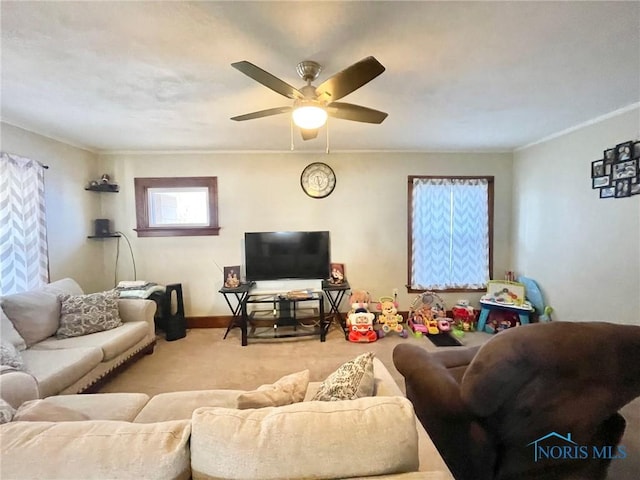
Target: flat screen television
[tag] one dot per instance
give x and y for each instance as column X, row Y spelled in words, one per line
column 286, row 255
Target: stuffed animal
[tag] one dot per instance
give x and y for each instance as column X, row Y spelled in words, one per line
column 389, row 318
column 360, row 322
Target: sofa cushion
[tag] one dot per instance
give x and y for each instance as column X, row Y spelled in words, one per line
column 55, row 370
column 308, row 438
column 112, row 342
column 9, row 333
column 63, row 286
column 85, row 314
column 9, row 356
column 6, row 412
column 34, row 314
column 95, row 449
column 289, row 389
column 353, row 379
column 41, row 411
column 102, row 406
column 180, row 405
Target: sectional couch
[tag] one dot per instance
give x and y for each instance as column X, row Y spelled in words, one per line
column 30, row 320
column 204, row 435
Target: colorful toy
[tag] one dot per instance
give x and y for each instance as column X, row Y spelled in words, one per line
column 389, row 318
column 464, row 316
column 427, row 315
column 360, row 322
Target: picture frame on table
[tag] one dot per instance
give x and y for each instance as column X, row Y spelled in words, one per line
column 608, row 192
column 624, row 151
column 623, row 188
column 600, row 182
column 336, row 275
column 232, row 276
column 626, row 169
column 597, row 168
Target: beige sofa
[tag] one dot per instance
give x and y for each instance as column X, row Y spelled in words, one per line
column 201, row 435
column 29, row 321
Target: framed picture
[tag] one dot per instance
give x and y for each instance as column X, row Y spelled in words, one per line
column 623, row 188
column 232, row 276
column 337, row 276
column 626, row 169
column 608, row 192
column 599, row 182
column 636, row 149
column 623, row 151
column 609, row 155
column 597, row 168
column 635, row 186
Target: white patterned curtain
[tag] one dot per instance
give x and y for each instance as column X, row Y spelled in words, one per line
column 24, row 259
column 450, row 233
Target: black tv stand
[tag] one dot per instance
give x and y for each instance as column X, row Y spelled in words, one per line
column 280, row 316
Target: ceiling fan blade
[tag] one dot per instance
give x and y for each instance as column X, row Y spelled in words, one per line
column 348, row 111
column 309, row 133
column 262, row 113
column 349, row 79
column 268, row 80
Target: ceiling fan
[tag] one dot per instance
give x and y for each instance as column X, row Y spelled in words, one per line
column 311, row 105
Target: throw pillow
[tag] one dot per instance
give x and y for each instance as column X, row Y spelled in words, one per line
column 6, row 412
column 41, row 411
column 34, row 314
column 289, row 389
column 351, row 380
column 10, row 356
column 9, row 333
column 85, row 314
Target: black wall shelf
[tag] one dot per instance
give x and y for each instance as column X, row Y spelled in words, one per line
column 104, row 187
column 111, row 235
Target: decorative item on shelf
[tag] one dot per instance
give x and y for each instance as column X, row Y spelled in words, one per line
column 102, row 185
column 617, row 174
column 337, row 276
column 231, row 276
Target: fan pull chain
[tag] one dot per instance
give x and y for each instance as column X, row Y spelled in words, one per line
column 327, row 124
column 291, row 130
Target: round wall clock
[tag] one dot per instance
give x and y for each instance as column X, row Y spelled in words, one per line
column 318, row 180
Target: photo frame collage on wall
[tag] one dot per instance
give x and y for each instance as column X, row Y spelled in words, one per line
column 617, row 174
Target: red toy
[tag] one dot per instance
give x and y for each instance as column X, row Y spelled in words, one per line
column 359, row 320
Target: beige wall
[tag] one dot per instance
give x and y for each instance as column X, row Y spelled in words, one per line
column 584, row 251
column 366, row 215
column 70, row 209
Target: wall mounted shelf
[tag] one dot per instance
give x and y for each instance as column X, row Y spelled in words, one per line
column 104, row 187
column 111, row 235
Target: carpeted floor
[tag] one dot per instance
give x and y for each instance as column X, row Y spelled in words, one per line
column 203, row 360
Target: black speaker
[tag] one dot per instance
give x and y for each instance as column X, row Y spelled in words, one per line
column 175, row 325
column 102, row 227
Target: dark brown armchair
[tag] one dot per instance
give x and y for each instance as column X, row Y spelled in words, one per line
column 489, row 409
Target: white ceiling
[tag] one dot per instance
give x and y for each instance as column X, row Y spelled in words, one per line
column 460, row 76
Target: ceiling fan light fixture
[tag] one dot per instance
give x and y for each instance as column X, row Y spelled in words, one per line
column 309, row 115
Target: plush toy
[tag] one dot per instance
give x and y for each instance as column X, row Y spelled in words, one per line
column 389, row 318
column 360, row 322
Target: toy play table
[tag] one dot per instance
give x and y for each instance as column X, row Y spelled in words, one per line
column 523, row 311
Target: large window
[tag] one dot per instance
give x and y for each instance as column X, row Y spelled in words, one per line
column 185, row 206
column 450, row 233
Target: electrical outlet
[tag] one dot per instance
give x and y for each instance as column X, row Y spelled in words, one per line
column 395, row 292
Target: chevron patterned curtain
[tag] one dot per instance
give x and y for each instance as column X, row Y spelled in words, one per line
column 450, row 233
column 24, row 260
